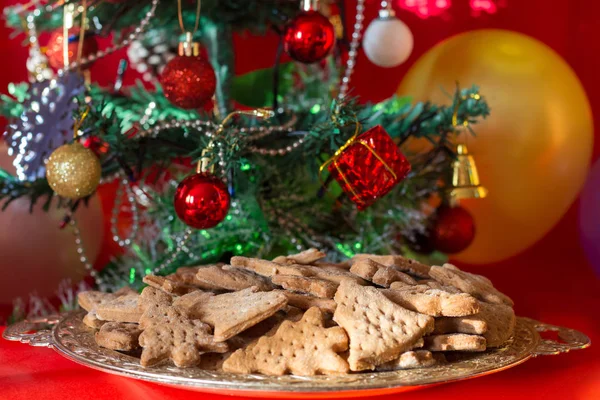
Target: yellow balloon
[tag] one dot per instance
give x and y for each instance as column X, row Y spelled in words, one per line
column 533, row 152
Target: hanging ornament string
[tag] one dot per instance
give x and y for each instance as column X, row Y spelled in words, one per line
column 189, row 47
column 125, row 42
column 82, row 29
column 180, row 17
column 354, row 43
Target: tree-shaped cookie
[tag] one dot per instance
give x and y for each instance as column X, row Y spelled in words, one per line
column 379, row 329
column 305, row 347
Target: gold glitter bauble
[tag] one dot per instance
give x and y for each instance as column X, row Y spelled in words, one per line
column 73, row 171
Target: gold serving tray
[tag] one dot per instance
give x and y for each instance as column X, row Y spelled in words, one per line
column 75, row 341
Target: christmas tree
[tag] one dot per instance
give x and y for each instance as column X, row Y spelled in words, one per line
column 214, row 165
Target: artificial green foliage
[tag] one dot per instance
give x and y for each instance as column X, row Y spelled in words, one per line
column 255, row 89
column 280, row 202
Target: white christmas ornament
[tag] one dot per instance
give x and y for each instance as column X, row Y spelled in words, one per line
column 388, row 42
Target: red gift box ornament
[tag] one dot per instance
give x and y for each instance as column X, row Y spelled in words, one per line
column 368, row 166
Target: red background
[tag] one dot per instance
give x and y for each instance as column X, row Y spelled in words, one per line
column 551, row 281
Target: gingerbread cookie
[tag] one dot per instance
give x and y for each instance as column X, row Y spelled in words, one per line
column 187, row 275
column 307, row 257
column 90, row 299
column 122, row 309
column 409, row 360
column 232, row 313
column 152, row 296
column 118, row 336
column 92, row 320
column 380, row 274
column 310, row 285
column 232, row 278
column 495, row 322
column 476, row 285
column 168, row 285
column 471, row 324
column 335, row 275
column 437, row 303
column 401, row 263
column 306, row 301
column 170, row 334
column 269, row 268
column 303, row 348
column 455, row 342
column 379, row 329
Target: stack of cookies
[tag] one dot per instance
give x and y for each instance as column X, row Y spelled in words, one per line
column 301, row 315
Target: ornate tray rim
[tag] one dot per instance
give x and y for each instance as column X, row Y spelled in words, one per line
column 73, row 340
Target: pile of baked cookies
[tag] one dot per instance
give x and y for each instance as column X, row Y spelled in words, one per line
column 301, row 315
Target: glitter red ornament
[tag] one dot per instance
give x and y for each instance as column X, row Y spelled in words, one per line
column 188, row 81
column 201, row 201
column 54, row 48
column 453, row 229
column 369, row 166
column 309, row 37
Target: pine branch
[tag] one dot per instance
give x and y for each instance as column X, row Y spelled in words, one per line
column 254, row 15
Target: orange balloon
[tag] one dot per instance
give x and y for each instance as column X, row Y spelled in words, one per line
column 533, row 152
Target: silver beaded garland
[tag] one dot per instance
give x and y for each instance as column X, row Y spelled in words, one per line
column 181, row 246
column 353, row 52
column 81, row 251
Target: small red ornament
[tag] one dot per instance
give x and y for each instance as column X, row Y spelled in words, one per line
column 97, row 145
column 201, row 201
column 188, row 81
column 453, row 229
column 369, row 167
column 54, row 49
column 309, row 37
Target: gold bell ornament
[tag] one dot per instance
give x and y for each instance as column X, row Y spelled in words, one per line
column 465, row 179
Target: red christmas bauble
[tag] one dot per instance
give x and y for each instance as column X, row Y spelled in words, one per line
column 54, row 49
column 309, row 37
column 188, row 82
column 201, row 201
column 453, row 229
